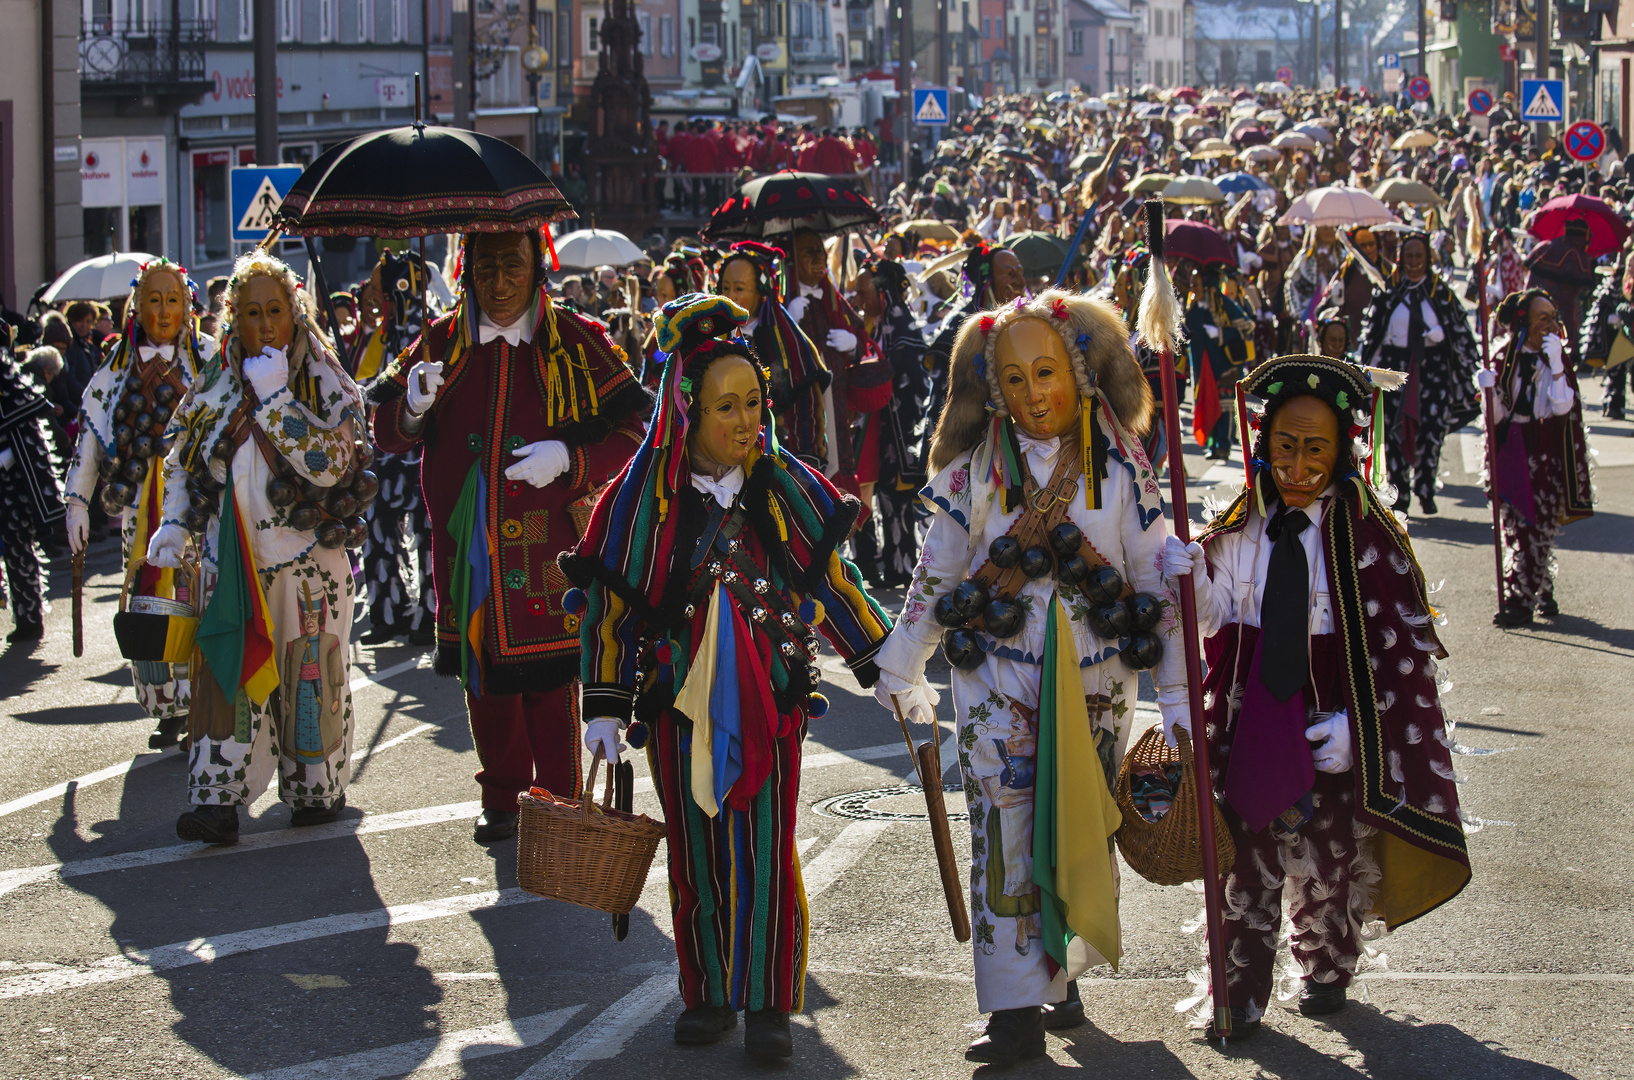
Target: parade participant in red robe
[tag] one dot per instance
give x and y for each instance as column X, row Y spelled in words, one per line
column 522, row 409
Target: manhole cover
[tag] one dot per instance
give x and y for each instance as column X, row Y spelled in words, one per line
column 904, row 803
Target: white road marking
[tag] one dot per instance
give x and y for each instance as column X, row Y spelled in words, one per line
column 204, row 950
column 607, row 1035
column 370, row 751
column 841, row 855
column 259, row 841
column 412, row 1058
column 56, row 791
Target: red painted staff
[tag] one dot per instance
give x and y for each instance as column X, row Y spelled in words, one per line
column 1488, row 401
column 1159, row 319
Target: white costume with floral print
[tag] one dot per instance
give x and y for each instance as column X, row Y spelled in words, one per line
column 161, row 689
column 995, row 704
column 315, row 432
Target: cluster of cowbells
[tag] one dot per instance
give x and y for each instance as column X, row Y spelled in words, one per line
column 338, row 514
column 1112, row 616
column 138, row 441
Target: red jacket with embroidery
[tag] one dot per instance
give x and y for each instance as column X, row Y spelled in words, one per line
column 493, row 400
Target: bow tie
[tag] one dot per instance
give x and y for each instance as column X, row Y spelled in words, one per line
column 148, row 352
column 514, row 334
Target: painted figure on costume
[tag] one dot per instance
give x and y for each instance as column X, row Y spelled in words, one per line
column 314, row 673
column 518, row 408
column 709, row 567
column 266, row 482
column 125, row 430
column 1542, row 452
column 1042, row 578
column 1330, row 751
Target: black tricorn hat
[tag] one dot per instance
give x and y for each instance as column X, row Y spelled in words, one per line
column 1342, row 384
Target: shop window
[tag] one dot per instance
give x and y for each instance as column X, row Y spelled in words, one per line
column 211, row 241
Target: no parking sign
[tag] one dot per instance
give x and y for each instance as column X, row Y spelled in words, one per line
column 1418, row 88
column 1585, row 140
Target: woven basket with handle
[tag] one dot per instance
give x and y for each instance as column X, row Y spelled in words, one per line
column 1168, row 851
column 573, row 850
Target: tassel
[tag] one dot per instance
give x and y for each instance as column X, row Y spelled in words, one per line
column 550, row 243
column 1375, row 452
column 1086, row 410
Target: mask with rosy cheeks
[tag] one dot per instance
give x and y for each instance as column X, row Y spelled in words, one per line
column 164, row 307
column 265, row 315
column 729, row 403
column 1036, row 380
column 1303, row 448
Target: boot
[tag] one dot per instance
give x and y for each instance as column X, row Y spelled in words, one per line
column 1012, row 1035
column 704, row 1024
column 495, row 825
column 1064, row 1015
column 26, row 632
column 317, row 815
column 209, row 824
column 766, row 1034
column 168, row 732
column 1512, row 615
column 1320, row 999
column 1241, row 1026
column 379, row 635
column 1428, row 503
column 1547, row 608
column 424, row 634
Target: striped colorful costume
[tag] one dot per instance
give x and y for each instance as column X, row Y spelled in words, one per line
column 699, row 623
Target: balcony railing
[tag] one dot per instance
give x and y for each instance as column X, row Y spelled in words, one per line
column 127, row 52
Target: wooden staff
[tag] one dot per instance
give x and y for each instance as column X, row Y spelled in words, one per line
column 1158, row 279
column 1489, row 402
column 79, row 602
column 927, row 762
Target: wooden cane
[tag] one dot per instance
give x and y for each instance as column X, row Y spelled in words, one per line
column 1213, row 913
column 79, row 602
column 1242, row 431
column 927, row 763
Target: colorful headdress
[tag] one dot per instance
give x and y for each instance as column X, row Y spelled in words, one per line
column 310, row 604
column 120, row 358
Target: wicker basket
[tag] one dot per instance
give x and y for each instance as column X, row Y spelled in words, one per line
column 580, row 509
column 1168, row 851
column 574, row 850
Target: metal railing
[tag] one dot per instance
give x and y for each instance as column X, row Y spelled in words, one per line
column 143, row 50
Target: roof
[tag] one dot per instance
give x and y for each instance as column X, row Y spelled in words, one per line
column 1244, row 22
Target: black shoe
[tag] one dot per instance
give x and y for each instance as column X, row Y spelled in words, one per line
column 1427, row 503
column 1241, row 1026
column 27, row 632
column 766, row 1034
column 704, row 1024
column 423, row 635
column 377, row 635
column 1318, row 999
column 209, row 825
column 1614, row 414
column 168, row 733
column 1511, row 615
column 1403, row 503
column 317, row 815
column 495, row 825
column 1064, row 1015
column 1012, row 1035
column 1548, row 608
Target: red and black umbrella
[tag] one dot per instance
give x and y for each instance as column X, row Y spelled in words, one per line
column 1607, row 231
column 421, row 180
column 786, row 201
column 1200, row 242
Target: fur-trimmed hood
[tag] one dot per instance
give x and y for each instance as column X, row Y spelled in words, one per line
column 1096, row 339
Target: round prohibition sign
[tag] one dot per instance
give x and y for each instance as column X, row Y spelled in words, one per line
column 1418, row 88
column 1585, row 140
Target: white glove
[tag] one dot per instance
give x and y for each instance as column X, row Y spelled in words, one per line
column 1559, row 396
column 842, row 340
column 797, row 307
column 1176, row 717
column 78, row 524
column 166, row 547
column 917, row 700
column 1614, row 319
column 7, row 458
column 267, row 372
column 539, row 463
column 432, row 372
column 1180, row 559
column 1213, row 331
column 603, row 733
column 1553, row 350
column 1485, row 379
column 1435, row 336
column 1332, row 753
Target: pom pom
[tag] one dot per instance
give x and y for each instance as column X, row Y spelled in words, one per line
column 574, row 602
column 636, row 735
column 986, row 324
column 665, row 652
column 816, row 706
column 811, row 612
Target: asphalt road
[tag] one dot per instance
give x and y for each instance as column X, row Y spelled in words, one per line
column 390, row 943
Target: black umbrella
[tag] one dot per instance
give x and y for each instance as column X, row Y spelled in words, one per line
column 786, row 201
column 421, row 180
column 1041, row 254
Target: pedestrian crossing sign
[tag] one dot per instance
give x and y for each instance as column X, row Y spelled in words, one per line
column 257, row 193
column 1543, row 100
column 930, row 106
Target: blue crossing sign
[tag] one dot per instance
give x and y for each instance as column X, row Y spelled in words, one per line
column 930, row 105
column 257, row 193
column 1543, row 101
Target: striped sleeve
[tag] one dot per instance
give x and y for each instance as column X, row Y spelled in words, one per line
column 607, row 655
column 852, row 622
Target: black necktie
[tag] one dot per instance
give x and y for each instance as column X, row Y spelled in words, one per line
column 1285, row 611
